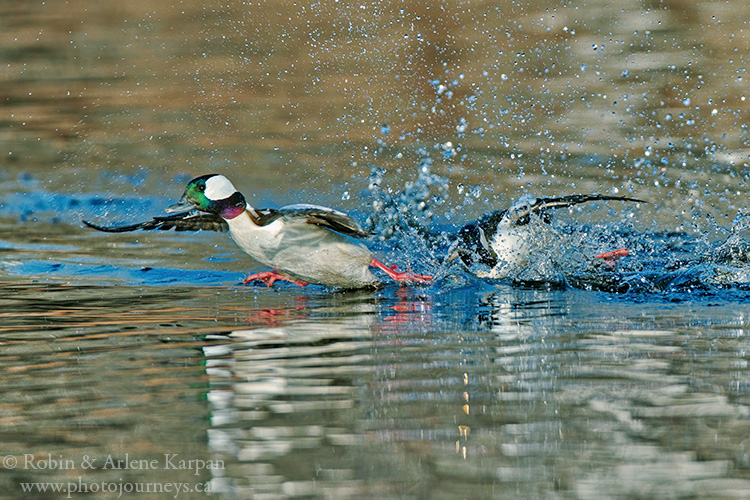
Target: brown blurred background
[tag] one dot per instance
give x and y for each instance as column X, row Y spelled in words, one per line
column 549, row 98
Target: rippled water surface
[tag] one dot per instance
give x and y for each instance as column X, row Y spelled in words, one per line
column 139, row 365
column 505, row 393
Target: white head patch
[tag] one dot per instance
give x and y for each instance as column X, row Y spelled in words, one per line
column 218, row 187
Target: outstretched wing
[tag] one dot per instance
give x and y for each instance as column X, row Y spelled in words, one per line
column 196, row 221
column 183, row 221
column 316, row 215
column 519, row 214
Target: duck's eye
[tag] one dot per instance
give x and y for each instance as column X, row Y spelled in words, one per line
column 201, row 187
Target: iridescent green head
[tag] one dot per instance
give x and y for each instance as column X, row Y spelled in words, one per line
column 213, row 194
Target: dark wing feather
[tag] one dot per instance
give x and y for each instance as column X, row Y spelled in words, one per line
column 520, row 216
column 183, row 221
column 316, row 215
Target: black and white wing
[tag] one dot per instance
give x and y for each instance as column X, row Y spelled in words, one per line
column 184, row 221
column 316, row 215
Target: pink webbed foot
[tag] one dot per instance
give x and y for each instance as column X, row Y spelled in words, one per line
column 396, row 275
column 270, row 277
column 611, row 258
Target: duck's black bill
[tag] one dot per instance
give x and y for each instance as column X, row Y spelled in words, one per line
column 181, row 206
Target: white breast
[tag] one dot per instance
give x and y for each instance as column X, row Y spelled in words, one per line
column 513, row 245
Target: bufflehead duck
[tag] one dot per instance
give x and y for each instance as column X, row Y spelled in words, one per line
column 301, row 243
column 503, row 240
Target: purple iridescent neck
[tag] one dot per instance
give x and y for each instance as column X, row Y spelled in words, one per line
column 232, row 206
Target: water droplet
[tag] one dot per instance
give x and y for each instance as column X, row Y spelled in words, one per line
column 448, row 150
column 461, row 127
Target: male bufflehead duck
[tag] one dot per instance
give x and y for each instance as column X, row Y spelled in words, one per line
column 503, row 240
column 302, row 243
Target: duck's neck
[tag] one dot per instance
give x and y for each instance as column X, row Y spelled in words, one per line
column 232, row 207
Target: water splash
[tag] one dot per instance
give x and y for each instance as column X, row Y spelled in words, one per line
column 411, row 207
